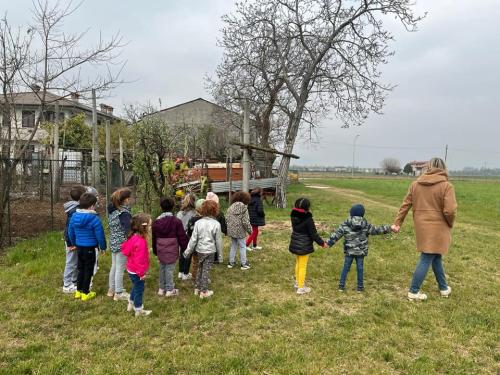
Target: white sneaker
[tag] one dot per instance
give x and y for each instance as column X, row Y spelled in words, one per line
column 142, row 312
column 304, row 290
column 245, row 266
column 172, row 293
column 161, row 292
column 179, row 276
column 296, row 285
column 123, row 296
column 111, row 293
column 196, row 292
column 417, row 296
column 130, row 306
column 250, row 248
column 186, row 277
column 69, row 289
column 207, row 294
column 257, row 247
column 445, row 293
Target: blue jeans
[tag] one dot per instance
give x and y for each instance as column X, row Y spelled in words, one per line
column 347, row 266
column 137, row 290
column 426, row 260
column 235, row 243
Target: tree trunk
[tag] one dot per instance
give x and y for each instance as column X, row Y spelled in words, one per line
column 291, row 135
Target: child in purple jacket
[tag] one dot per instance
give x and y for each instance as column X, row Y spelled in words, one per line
column 168, row 235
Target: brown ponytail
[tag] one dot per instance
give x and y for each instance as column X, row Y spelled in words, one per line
column 139, row 224
column 119, row 196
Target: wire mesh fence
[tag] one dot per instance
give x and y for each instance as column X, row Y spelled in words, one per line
column 39, row 187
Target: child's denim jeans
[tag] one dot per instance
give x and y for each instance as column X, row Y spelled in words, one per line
column 137, row 290
column 347, row 266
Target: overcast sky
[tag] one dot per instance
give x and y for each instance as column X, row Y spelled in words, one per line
column 447, row 76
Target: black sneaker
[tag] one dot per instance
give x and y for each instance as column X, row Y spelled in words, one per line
column 361, row 290
column 245, row 266
column 341, row 288
column 230, row 265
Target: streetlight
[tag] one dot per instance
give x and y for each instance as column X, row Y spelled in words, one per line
column 353, row 151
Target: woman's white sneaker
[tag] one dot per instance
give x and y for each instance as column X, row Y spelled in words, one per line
column 445, row 293
column 417, row 296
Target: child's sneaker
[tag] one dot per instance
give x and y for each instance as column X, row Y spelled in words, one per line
column 196, row 292
column 89, row 295
column 206, row 294
column 360, row 290
column 130, row 306
column 257, row 247
column 123, row 296
column 69, row 289
column 186, row 276
column 78, row 295
column 111, row 293
column 161, row 292
column 245, row 266
column 172, row 293
column 230, row 265
column 141, row 312
column 304, row 290
column 417, row 296
column 341, row 289
column 445, row 293
column 179, row 276
column 250, row 248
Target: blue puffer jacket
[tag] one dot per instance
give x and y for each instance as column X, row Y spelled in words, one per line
column 85, row 229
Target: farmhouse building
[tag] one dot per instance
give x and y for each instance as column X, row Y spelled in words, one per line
column 418, row 167
column 27, row 108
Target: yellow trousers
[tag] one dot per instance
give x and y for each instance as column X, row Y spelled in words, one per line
column 300, row 269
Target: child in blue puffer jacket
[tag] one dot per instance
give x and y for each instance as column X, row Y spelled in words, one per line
column 70, row 268
column 86, row 233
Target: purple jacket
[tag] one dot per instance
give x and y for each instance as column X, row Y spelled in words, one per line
column 168, row 236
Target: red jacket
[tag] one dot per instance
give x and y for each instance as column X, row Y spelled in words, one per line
column 137, row 253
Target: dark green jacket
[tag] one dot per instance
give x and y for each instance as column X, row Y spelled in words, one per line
column 355, row 231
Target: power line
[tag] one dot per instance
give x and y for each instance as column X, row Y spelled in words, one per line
column 450, row 149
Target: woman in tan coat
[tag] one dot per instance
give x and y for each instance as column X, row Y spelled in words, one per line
column 432, row 199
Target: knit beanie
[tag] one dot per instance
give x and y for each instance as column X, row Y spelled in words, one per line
column 212, row 197
column 198, row 203
column 357, row 210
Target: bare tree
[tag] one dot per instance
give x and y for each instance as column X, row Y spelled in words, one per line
column 47, row 59
column 328, row 54
column 391, row 165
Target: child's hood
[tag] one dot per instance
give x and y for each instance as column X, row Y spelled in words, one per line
column 82, row 217
column 70, row 205
column 356, row 223
column 237, row 208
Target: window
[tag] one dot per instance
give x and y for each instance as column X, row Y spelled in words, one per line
column 28, row 119
column 50, row 116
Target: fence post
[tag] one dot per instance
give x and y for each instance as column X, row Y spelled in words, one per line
column 108, row 161
column 51, row 196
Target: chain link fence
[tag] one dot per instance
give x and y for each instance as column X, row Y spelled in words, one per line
column 40, row 187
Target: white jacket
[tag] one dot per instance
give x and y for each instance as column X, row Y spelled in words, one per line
column 206, row 238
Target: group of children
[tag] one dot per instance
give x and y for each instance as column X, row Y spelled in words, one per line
column 193, row 238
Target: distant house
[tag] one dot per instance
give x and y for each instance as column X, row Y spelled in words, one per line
column 27, row 107
column 418, row 167
column 225, row 126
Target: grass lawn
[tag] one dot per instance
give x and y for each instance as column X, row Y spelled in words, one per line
column 255, row 323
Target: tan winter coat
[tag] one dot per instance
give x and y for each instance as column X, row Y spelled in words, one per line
column 432, row 199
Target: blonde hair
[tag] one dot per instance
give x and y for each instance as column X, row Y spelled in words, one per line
column 437, row 163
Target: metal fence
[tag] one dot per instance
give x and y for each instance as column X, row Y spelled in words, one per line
column 40, row 186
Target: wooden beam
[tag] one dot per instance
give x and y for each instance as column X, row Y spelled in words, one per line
column 269, row 150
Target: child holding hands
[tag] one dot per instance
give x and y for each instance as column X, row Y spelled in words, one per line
column 301, row 243
column 355, row 231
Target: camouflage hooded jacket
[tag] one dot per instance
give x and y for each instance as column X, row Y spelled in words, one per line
column 355, row 231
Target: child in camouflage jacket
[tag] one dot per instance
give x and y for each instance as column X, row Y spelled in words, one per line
column 355, row 231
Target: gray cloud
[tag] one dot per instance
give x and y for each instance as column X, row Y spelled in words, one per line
column 446, row 75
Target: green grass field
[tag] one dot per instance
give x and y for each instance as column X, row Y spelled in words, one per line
column 255, row 323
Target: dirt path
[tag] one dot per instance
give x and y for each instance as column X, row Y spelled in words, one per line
column 358, row 195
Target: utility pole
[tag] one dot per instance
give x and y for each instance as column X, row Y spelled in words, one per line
column 55, row 156
column 446, row 153
column 95, row 144
column 120, row 145
column 108, row 162
column 353, row 153
column 246, row 140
